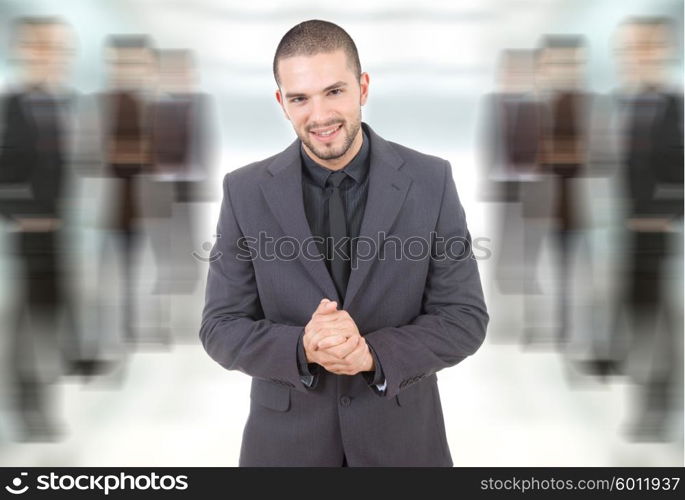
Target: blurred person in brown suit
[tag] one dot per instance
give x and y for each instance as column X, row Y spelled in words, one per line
column 182, row 159
column 179, row 181
column 126, row 143
column 551, row 205
column 509, row 152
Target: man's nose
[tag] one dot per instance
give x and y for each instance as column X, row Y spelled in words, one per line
column 320, row 112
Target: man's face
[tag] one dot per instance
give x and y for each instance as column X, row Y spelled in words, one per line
column 562, row 67
column 175, row 74
column 643, row 52
column 44, row 51
column 322, row 98
column 129, row 67
column 516, row 73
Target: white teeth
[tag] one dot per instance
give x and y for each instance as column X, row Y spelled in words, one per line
column 327, row 133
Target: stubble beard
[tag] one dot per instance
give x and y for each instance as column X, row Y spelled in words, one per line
column 329, row 153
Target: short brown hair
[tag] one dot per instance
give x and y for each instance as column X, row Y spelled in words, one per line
column 315, row 37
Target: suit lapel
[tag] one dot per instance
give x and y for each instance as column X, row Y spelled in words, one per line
column 388, row 188
column 283, row 194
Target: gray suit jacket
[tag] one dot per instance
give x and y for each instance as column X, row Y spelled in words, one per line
column 419, row 312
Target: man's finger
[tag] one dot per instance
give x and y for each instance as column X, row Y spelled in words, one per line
column 325, row 306
column 323, row 333
column 328, row 317
column 332, row 341
column 342, row 350
column 325, row 359
column 348, row 357
column 357, row 351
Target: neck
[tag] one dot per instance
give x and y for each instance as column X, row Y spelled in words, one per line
column 342, row 161
column 640, row 86
column 38, row 81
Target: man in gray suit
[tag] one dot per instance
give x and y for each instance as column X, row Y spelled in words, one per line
column 342, row 278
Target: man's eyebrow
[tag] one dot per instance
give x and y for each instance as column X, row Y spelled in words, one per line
column 289, row 95
column 335, row 85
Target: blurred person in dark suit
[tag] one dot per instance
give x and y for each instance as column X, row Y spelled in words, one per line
column 647, row 333
column 33, row 182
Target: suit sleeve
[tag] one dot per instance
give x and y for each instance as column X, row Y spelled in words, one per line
column 375, row 378
column 453, row 318
column 234, row 331
column 309, row 372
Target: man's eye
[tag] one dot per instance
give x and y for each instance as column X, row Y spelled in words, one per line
column 336, row 91
column 297, row 99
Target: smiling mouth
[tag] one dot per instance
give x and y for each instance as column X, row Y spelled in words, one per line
column 326, row 132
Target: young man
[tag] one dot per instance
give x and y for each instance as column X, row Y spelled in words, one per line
column 342, row 338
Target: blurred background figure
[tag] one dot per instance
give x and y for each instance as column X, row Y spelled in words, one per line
column 551, row 204
column 172, row 191
column 126, row 128
column 182, row 172
column 648, row 328
column 509, row 148
column 34, row 153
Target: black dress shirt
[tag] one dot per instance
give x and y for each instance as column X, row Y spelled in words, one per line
column 315, row 193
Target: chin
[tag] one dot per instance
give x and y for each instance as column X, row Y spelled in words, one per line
column 330, row 154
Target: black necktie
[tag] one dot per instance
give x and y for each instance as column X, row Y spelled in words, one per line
column 339, row 254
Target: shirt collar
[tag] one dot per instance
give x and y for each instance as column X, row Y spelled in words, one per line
column 357, row 168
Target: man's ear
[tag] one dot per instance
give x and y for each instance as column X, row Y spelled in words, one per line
column 279, row 98
column 364, row 86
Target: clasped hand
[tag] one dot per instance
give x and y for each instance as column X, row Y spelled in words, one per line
column 332, row 339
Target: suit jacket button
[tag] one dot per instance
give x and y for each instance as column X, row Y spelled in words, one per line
column 345, row 401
